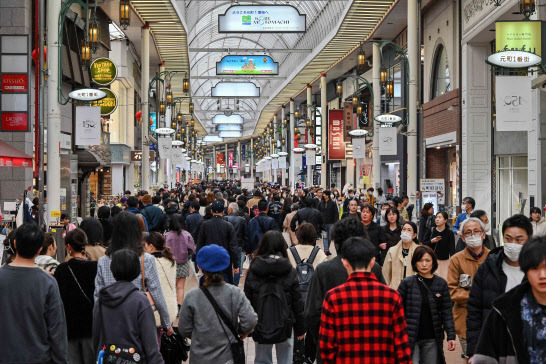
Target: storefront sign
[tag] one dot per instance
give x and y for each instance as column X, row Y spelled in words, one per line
column 388, row 119
column 310, row 157
column 136, row 155
column 336, row 143
column 243, row 152
column 108, row 104
column 247, row 65
column 518, row 44
column 348, row 121
column 359, row 148
column 513, row 59
column 230, row 159
column 282, row 162
column 87, row 94
column 15, row 83
column 262, row 19
column 235, row 89
column 164, row 144
column 103, row 71
column 432, row 184
column 431, row 197
column 88, row 125
column 388, row 141
column 513, row 103
column 14, row 121
column 298, row 160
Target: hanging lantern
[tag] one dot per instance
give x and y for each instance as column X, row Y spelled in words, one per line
column 361, row 59
column 527, row 8
column 192, row 122
column 390, row 89
column 186, row 85
column 169, row 96
column 308, row 122
column 162, row 108
column 285, row 121
column 178, row 136
column 179, row 117
column 271, row 130
column 94, row 35
column 384, row 76
column 124, row 14
column 339, row 88
column 355, row 100
column 85, row 55
column 359, row 110
column 282, row 141
column 297, row 114
column 183, row 130
column 191, row 107
column 173, row 124
column 296, row 131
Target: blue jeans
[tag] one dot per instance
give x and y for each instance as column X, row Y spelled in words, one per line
column 237, row 276
column 425, row 351
column 326, row 236
column 264, row 352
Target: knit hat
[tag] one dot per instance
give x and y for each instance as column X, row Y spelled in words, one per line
column 217, row 207
column 123, row 199
column 213, row 258
column 146, row 199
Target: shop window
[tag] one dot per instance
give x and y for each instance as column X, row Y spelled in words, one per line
column 441, row 83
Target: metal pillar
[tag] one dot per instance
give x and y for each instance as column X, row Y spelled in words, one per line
column 413, row 54
column 376, row 80
column 161, row 176
column 274, row 146
column 214, row 160
column 291, row 142
column 324, row 134
column 226, row 166
column 41, row 108
column 144, row 82
column 53, row 111
column 252, row 158
column 309, row 115
column 239, row 159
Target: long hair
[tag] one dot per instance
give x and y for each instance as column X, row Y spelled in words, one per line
column 176, row 223
column 93, row 229
column 157, row 240
column 287, row 204
column 272, row 243
column 210, row 198
column 126, row 234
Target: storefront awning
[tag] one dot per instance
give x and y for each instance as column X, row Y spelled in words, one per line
column 13, row 157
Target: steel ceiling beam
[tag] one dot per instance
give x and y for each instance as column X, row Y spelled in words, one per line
column 238, row 77
column 253, row 50
column 229, row 97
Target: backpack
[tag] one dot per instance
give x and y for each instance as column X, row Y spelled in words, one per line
column 274, row 324
column 258, row 237
column 304, row 269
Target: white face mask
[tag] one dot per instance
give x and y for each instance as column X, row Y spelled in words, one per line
column 463, row 207
column 405, row 237
column 487, row 227
column 383, row 214
column 512, row 251
column 351, row 196
column 474, row 241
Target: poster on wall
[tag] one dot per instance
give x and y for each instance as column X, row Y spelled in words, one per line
column 88, row 125
column 430, row 197
column 359, row 148
column 513, row 103
column 388, row 141
column 366, row 171
column 336, row 142
column 247, row 65
column 262, row 19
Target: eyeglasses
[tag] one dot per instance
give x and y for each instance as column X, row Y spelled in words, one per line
column 468, row 234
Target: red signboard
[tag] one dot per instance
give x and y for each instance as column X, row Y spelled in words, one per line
column 14, row 121
column 230, row 158
column 336, row 142
column 14, row 83
column 220, row 158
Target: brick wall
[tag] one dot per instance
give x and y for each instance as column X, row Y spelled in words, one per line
column 436, row 163
column 438, row 119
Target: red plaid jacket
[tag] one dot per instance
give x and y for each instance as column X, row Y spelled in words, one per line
column 363, row 322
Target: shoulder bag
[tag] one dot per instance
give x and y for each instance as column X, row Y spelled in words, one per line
column 144, row 290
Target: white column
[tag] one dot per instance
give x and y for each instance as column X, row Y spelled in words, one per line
column 291, row 142
column 274, row 145
column 376, row 80
column 53, row 111
column 324, row 137
column 413, row 59
column 309, row 114
column 144, row 94
column 161, row 175
column 214, row 159
column 252, row 158
column 284, row 179
column 239, row 159
column 226, row 162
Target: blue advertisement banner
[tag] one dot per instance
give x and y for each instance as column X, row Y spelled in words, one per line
column 247, row 65
column 243, row 153
column 153, row 121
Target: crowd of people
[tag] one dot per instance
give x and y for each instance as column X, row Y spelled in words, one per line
column 383, row 287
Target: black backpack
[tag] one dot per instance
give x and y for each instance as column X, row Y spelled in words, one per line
column 274, row 324
column 304, row 269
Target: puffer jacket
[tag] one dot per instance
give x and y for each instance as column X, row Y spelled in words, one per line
column 489, row 284
column 440, row 309
column 310, row 215
column 269, row 268
column 539, row 227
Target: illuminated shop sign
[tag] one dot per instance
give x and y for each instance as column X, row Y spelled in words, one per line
column 262, row 19
column 103, row 71
column 247, row 65
column 235, row 89
column 518, row 44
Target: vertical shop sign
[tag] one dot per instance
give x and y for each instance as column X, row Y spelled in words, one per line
column 359, row 148
column 310, row 158
column 348, row 120
column 336, row 143
column 282, row 162
column 164, row 144
column 88, row 125
column 230, row 159
column 513, row 103
column 388, row 141
column 243, row 152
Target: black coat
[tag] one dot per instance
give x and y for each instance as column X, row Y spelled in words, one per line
column 329, row 211
column 219, row 231
column 501, row 339
column 166, row 218
column 192, row 221
column 445, row 247
column 440, row 309
column 376, row 235
column 270, row 268
column 107, row 227
column 241, row 228
column 488, row 284
column 426, row 223
column 307, row 214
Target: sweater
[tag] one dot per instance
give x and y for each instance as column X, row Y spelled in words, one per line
column 304, row 251
column 210, row 338
column 78, row 305
column 181, row 245
column 445, row 247
column 167, row 276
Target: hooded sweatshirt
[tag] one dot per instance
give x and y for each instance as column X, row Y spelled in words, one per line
column 124, row 317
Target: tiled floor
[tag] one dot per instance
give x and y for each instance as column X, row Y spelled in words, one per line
column 452, row 357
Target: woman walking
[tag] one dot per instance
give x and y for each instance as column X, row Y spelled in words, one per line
column 95, row 235
column 428, row 309
column 76, row 280
column 211, row 337
column 442, row 241
column 426, row 222
column 273, row 290
column 397, row 265
column 45, row 259
column 181, row 244
column 393, row 229
column 307, row 237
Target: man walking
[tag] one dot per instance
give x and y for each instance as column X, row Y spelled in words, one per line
column 259, row 225
column 330, row 214
column 241, row 231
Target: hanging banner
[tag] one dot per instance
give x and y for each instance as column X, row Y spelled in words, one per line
column 298, row 160
column 220, row 158
column 348, row 121
column 164, row 145
column 247, row 65
column 103, row 71
column 243, row 152
column 387, row 141
column 275, row 163
column 336, row 142
column 513, row 106
column 268, row 165
column 366, row 171
column 359, row 148
column 88, row 125
column 176, row 156
column 230, row 159
column 310, row 158
column 282, row 162
column 247, row 170
column 262, row 19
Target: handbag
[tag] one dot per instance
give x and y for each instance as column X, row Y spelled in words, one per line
column 144, row 290
column 174, row 348
column 237, row 347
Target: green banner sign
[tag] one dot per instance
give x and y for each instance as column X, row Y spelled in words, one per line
column 525, row 36
column 108, row 104
column 103, row 71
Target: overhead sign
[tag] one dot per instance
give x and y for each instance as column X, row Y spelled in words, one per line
column 87, row 94
column 388, row 118
column 88, row 125
column 336, row 142
column 136, row 155
column 514, row 59
column 388, row 141
column 103, row 71
column 224, row 119
column 513, row 103
column 235, row 89
column 107, row 104
column 229, row 127
column 247, row 65
column 518, row 44
column 432, row 184
column 262, row 19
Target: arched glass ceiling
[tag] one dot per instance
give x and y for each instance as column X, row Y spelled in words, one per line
column 201, row 20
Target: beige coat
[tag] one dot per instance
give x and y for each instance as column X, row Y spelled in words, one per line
column 393, row 267
column 461, row 263
column 94, row 252
column 167, row 276
column 253, row 201
column 304, row 251
column 286, row 226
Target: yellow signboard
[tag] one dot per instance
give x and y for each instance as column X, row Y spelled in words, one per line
column 525, row 36
column 55, row 214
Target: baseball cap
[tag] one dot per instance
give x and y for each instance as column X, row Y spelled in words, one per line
column 217, row 207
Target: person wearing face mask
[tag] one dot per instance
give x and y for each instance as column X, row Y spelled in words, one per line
column 499, row 274
column 467, row 207
column 489, row 241
column 382, row 219
column 442, row 241
column 461, row 271
column 397, row 265
column 350, row 197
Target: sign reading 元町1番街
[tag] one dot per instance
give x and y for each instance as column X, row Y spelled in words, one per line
column 262, row 19
column 247, row 65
